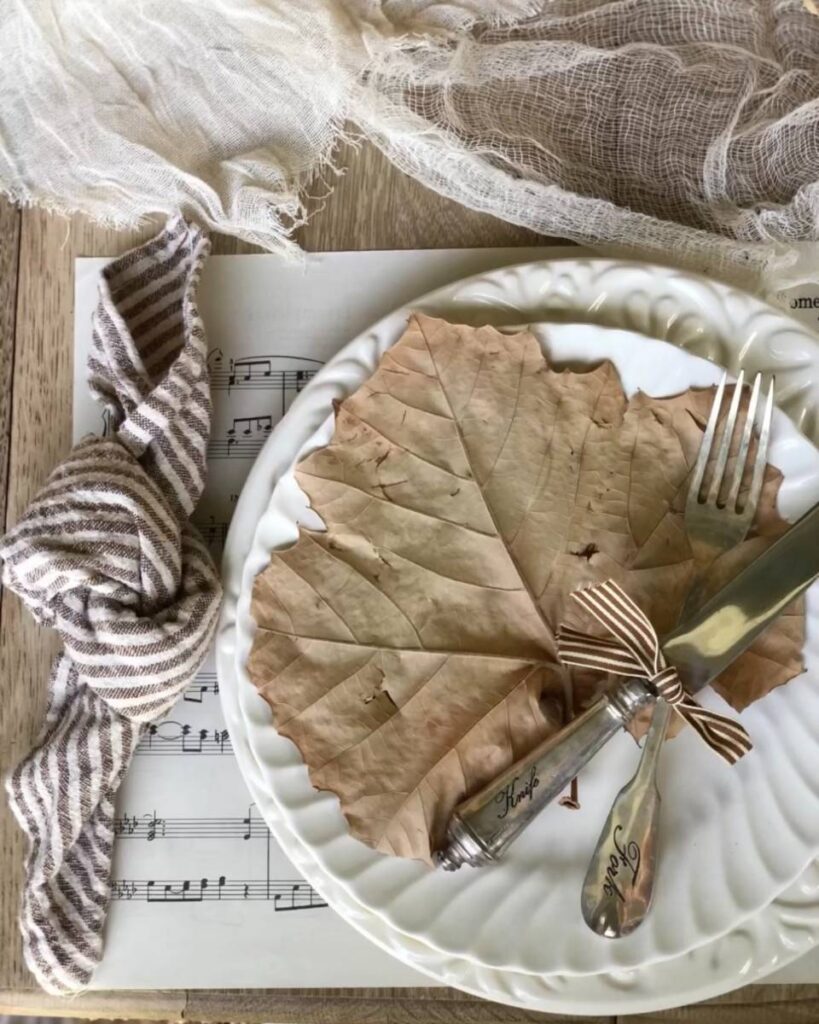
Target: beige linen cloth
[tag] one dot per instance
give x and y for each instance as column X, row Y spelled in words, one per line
column 105, row 555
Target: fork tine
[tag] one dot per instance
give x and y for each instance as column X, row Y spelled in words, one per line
column 706, row 443
column 745, row 445
column 761, row 454
column 725, row 441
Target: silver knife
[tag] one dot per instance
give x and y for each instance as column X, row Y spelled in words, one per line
column 483, row 826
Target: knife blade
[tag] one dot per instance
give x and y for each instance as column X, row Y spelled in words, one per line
column 715, row 635
column 483, row 826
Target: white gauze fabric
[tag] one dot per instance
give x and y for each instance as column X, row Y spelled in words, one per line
column 683, row 127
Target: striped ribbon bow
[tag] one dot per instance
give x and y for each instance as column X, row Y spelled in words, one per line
column 634, row 650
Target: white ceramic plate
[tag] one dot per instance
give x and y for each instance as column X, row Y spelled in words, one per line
column 787, row 928
column 705, row 317
column 504, row 916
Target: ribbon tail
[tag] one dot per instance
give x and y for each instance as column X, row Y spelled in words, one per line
column 725, row 736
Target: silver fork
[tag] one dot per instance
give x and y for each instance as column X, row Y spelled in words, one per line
column 619, row 883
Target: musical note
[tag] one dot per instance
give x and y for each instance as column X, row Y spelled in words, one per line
column 125, row 826
column 204, row 684
column 247, row 370
column 243, row 440
column 261, row 372
column 299, row 897
column 169, row 737
column 249, row 424
column 234, row 448
column 286, row 895
column 146, row 826
column 149, row 827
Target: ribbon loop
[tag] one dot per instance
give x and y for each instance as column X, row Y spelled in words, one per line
column 633, row 649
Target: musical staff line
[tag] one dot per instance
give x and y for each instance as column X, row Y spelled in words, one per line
column 257, row 371
column 203, row 684
column 175, row 738
column 149, row 827
column 234, row 448
column 214, row 532
column 243, row 440
column 286, row 895
column 260, row 373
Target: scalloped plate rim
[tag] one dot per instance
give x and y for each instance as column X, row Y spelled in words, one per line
column 791, row 325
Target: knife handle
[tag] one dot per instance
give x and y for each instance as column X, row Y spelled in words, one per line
column 483, row 826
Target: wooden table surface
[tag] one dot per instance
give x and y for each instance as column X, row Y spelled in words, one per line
column 372, row 207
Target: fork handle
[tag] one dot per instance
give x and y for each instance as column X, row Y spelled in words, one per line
column 483, row 827
column 619, row 883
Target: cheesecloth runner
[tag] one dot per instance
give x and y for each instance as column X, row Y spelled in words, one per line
column 106, row 556
column 688, row 127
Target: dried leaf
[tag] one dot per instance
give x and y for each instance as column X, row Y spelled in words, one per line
column 409, row 650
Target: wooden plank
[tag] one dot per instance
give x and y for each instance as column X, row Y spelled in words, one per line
column 343, row 1006
column 374, row 206
column 296, row 1006
column 153, row 1006
column 755, row 1004
column 9, row 257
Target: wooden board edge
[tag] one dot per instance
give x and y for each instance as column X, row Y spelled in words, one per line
column 131, row 1005
column 294, row 1006
column 398, row 1005
column 10, row 222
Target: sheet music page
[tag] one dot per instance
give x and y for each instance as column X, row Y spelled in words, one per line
column 203, row 897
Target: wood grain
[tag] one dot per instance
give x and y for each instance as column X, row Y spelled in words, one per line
column 375, row 206
column 372, row 206
column 296, row 1006
column 99, row 1006
column 9, row 260
column 341, row 1006
column 756, row 1004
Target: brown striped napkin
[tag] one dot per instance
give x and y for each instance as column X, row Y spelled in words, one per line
column 106, row 555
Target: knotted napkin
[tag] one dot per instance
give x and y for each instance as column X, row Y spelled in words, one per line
column 634, row 650
column 106, row 556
